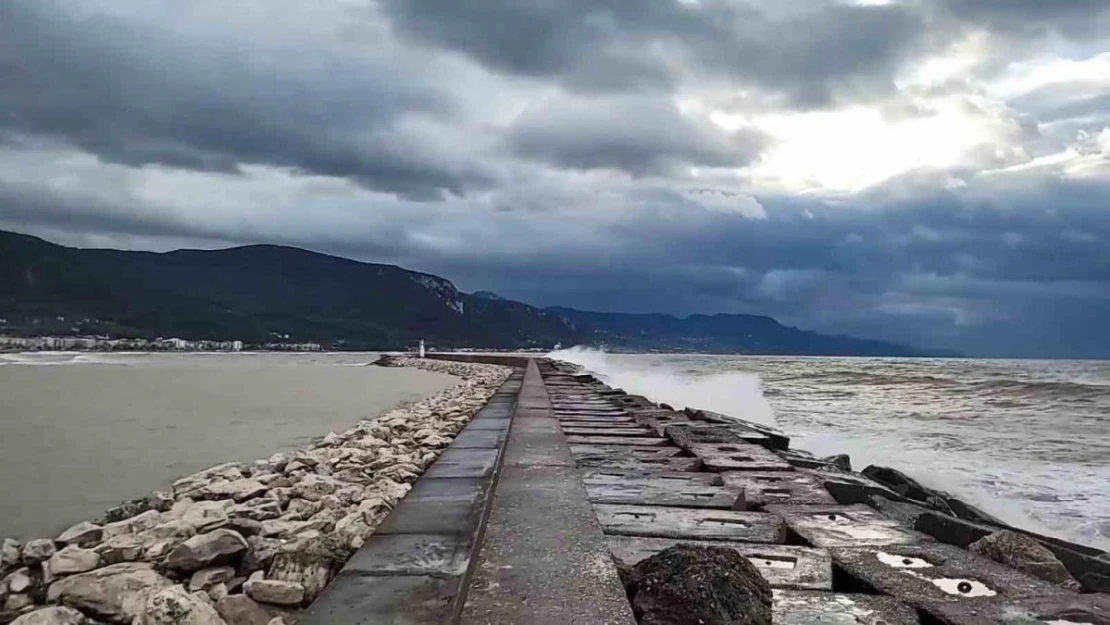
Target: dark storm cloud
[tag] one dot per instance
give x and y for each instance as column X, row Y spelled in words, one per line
column 807, row 51
column 142, row 93
column 1072, row 17
column 638, row 135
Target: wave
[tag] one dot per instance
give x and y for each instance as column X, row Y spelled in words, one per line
column 1042, row 390
column 876, row 379
column 735, row 393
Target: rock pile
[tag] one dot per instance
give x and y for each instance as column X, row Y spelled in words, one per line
column 240, row 544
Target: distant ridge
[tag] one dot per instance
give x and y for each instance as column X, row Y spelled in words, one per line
column 263, row 293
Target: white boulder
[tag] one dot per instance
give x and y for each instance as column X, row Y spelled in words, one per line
column 72, row 560
column 116, row 593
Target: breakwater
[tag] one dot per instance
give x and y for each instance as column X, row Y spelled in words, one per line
column 542, row 506
column 590, row 481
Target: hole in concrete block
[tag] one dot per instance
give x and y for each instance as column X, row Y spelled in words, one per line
column 728, row 448
column 734, row 522
column 635, row 515
column 902, row 562
column 740, row 458
column 782, row 563
column 963, row 587
column 779, row 492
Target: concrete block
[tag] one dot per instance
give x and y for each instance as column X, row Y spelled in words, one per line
column 794, row 607
column 637, row 451
column 464, row 463
column 411, row 554
column 608, row 430
column 1058, row 610
column 783, row 566
column 728, row 457
column 473, row 438
column 468, row 489
column 779, row 440
column 845, row 526
column 930, row 573
column 687, row 523
column 682, row 495
column 587, row 421
column 433, row 517
column 1089, row 566
column 389, row 600
column 761, row 488
column 618, row 440
column 500, row 425
column 627, row 463
column 659, row 420
column 693, row 432
column 601, row 476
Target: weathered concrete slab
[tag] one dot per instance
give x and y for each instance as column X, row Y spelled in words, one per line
column 643, row 441
column 601, row 476
column 603, row 419
column 626, row 463
column 497, row 424
column 612, row 430
column 779, row 440
column 469, row 489
column 659, row 420
column 783, row 566
column 543, row 559
column 845, row 526
column 794, row 607
column 537, row 441
column 464, row 463
column 635, row 451
column 761, row 488
column 692, row 432
column 728, row 457
column 432, row 516
column 480, row 439
column 1062, row 610
column 353, row 599
column 679, row 495
column 689, row 523
column 918, row 574
column 1089, row 566
column 411, row 554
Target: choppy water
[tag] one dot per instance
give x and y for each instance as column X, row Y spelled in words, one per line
column 1029, row 441
column 81, row 432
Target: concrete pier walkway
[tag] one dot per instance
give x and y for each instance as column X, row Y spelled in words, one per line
column 525, row 516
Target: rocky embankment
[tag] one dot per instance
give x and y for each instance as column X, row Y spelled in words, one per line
column 240, row 544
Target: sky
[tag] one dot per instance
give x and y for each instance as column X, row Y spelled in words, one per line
column 932, row 172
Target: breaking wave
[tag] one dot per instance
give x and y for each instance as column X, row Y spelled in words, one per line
column 735, row 393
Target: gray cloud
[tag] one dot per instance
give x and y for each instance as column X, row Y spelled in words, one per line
column 638, row 135
column 139, row 93
column 806, row 51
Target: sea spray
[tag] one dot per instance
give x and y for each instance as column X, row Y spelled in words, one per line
column 735, row 393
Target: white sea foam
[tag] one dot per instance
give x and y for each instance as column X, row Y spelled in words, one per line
column 734, row 393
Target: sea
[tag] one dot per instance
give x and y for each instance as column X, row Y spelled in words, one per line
column 81, row 432
column 1026, row 440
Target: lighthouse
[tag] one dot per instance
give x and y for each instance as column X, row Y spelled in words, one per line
column 421, row 348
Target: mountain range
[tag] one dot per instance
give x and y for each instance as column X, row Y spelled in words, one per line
column 267, row 293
